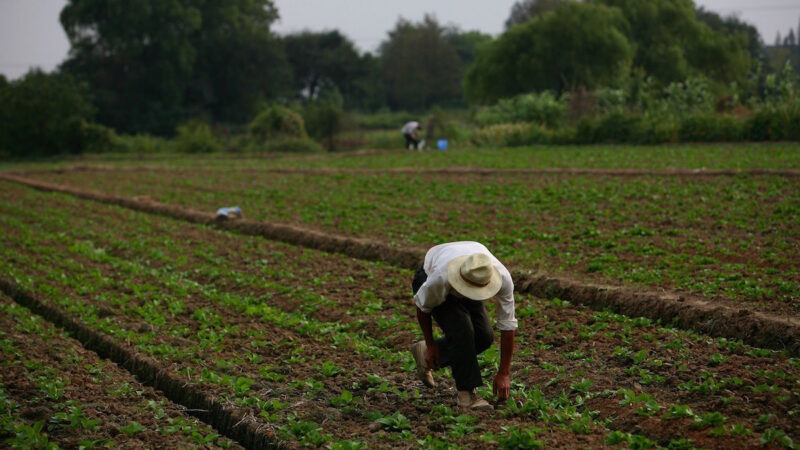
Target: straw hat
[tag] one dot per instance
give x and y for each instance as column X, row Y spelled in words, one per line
column 474, row 276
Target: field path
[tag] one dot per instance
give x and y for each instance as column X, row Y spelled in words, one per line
column 687, row 173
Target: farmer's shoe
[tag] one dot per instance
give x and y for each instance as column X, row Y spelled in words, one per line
column 470, row 400
column 423, row 372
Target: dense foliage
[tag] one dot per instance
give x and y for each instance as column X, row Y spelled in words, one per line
column 277, row 121
column 575, row 45
column 420, row 67
column 324, row 64
column 671, row 44
column 574, row 71
column 216, row 57
column 44, row 114
column 525, row 10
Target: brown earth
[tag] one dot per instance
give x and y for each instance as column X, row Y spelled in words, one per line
column 430, row 171
column 605, row 370
column 757, row 328
column 93, row 391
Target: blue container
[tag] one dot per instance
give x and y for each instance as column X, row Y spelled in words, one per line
column 441, row 144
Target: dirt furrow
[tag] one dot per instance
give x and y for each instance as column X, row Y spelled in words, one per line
column 717, row 320
column 561, row 336
column 81, row 400
column 682, row 173
column 223, row 418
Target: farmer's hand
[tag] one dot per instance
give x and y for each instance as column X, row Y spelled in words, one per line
column 501, row 386
column 432, row 357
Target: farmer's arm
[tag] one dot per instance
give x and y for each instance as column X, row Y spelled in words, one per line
column 426, row 324
column 430, row 295
column 507, row 324
column 502, row 382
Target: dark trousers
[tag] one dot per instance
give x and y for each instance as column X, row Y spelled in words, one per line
column 467, row 333
column 410, row 140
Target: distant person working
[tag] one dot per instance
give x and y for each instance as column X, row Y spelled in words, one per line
column 411, row 133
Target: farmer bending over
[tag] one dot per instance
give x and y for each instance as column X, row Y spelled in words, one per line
column 452, row 286
column 411, row 133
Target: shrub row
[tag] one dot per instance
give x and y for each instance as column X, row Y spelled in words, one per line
column 768, row 124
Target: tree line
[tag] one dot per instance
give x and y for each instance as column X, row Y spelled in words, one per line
column 150, row 65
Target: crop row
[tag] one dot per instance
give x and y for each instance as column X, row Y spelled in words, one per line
column 733, row 239
column 293, row 374
column 598, row 365
column 54, row 393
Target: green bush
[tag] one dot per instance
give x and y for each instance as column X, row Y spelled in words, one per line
column 370, row 139
column 543, row 108
column 196, row 137
column 323, row 120
column 96, row 138
column 620, row 128
column 710, row 128
column 141, row 143
column 43, row 114
column 278, row 121
column 383, row 120
column 774, row 123
column 288, row 144
column 511, row 135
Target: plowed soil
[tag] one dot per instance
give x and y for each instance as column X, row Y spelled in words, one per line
column 732, row 240
column 225, row 280
column 49, row 376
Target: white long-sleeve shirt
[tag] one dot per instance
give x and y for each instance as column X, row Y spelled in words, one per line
column 434, row 291
column 410, row 127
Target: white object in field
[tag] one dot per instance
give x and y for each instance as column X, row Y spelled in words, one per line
column 232, row 212
column 421, row 145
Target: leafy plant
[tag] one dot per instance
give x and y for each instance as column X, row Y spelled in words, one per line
column 132, row 428
column 343, row 399
column 329, row 369
column 75, row 418
column 395, row 422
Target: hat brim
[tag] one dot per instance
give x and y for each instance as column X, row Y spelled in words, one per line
column 467, row 289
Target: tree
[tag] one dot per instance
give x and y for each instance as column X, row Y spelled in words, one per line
column 778, row 40
column 420, row 67
column 735, row 28
column 151, row 64
column 672, row 44
column 240, row 63
column 790, row 40
column 525, row 10
column 324, row 61
column 137, row 68
column 466, row 43
column 43, row 114
column 577, row 44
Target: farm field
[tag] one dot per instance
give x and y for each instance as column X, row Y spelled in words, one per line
column 54, row 392
column 313, row 346
column 732, row 238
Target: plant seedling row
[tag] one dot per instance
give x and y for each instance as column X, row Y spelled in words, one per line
column 732, row 240
column 55, row 393
column 565, row 350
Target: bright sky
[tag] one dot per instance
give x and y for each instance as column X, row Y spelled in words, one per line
column 31, row 35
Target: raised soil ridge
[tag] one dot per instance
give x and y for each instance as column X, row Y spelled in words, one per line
column 686, row 312
column 485, row 171
column 229, row 422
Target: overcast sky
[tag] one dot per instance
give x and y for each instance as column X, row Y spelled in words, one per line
column 31, row 35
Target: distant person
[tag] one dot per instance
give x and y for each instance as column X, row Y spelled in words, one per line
column 452, row 286
column 411, row 133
